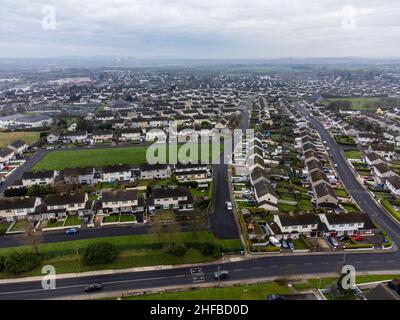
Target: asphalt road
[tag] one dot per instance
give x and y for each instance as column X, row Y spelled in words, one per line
column 258, row 268
column 353, row 186
column 222, row 221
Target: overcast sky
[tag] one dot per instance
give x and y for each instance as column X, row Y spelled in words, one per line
column 201, row 28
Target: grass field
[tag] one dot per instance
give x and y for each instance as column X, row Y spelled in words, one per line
column 135, row 251
column 353, row 154
column 361, row 104
column 59, row 160
column 7, row 138
column 242, row 292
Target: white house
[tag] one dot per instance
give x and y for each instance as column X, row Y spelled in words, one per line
column 393, row 184
column 17, row 208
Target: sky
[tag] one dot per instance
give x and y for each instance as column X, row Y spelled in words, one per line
column 201, row 29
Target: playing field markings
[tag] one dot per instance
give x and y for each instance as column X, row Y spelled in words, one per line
column 197, row 275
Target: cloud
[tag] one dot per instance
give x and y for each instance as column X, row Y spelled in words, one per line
column 200, row 29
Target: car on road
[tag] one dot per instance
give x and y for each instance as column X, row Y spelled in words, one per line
column 222, row 275
column 229, row 206
column 71, row 231
column 333, row 242
column 93, row 287
column 358, row 238
column 325, row 142
column 327, row 148
column 335, row 165
column 274, row 241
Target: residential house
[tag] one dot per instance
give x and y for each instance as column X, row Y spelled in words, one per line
column 62, row 205
column 393, row 184
column 120, row 172
column 156, row 171
column 31, row 178
column 18, row 208
column 179, row 199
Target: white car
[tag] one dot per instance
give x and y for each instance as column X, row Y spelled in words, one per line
column 274, row 241
column 229, row 206
column 327, row 148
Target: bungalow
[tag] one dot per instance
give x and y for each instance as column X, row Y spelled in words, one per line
column 157, row 171
column 31, row 178
column 317, row 177
column 393, row 184
column 164, row 198
column 382, row 171
column 266, row 196
column 325, row 195
column 120, row 172
column 6, row 154
column 258, row 175
column 347, row 224
column 372, row 159
column 17, row 208
column 386, row 152
column 194, row 175
column 18, row 147
column 61, row 205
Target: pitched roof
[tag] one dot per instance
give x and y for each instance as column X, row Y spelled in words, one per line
column 63, row 199
column 121, row 195
column 298, row 219
column 17, row 203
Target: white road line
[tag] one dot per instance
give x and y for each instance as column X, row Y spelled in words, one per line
column 324, row 262
column 82, row 285
column 274, row 266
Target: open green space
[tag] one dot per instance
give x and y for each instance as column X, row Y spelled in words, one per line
column 135, row 251
column 353, row 154
column 73, row 221
column 7, row 138
column 358, row 103
column 58, row 160
column 389, row 208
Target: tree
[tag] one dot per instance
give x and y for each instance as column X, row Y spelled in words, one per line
column 100, row 252
column 2, row 260
column 34, row 237
column 18, row 262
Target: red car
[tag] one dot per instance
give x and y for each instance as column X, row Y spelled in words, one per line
column 358, row 238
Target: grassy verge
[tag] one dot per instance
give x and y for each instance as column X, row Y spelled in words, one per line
column 389, row 208
column 242, row 292
column 7, row 138
column 135, row 251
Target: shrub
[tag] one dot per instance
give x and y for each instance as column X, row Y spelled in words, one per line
column 178, row 250
column 21, row 262
column 211, row 249
column 19, row 192
column 100, row 252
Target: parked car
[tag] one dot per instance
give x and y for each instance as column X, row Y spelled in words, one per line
column 248, row 197
column 221, row 275
column 274, row 297
column 291, row 245
column 343, row 238
column 94, row 287
column 395, row 285
column 229, row 206
column 285, row 244
column 71, row 231
column 275, row 242
column 358, row 238
column 333, row 242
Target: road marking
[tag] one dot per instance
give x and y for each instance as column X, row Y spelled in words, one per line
column 374, row 261
column 274, row 266
column 391, row 261
column 257, row 268
column 238, row 270
column 324, row 262
column 308, row 264
column 359, row 262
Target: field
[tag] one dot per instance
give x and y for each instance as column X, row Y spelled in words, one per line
column 7, row 138
column 353, row 154
column 360, row 104
column 135, row 251
column 59, row 160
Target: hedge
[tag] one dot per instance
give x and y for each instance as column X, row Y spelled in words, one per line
column 100, row 252
column 21, row 262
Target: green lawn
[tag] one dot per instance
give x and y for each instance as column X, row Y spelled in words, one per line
column 111, row 218
column 353, row 154
column 389, row 207
column 56, row 224
column 20, row 225
column 73, row 221
column 135, row 251
column 59, row 160
column 360, row 103
column 341, row 193
column 127, row 218
column 242, row 292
